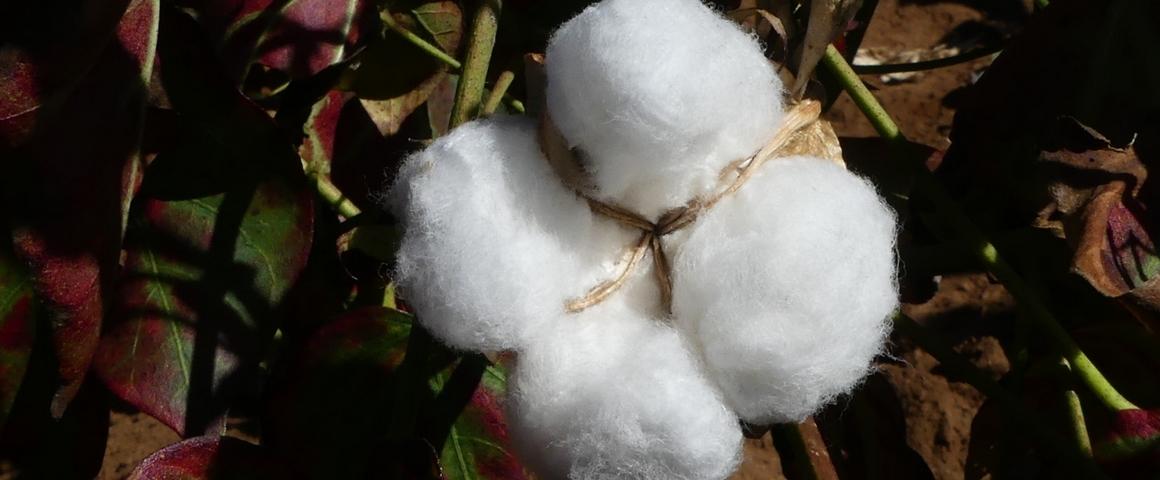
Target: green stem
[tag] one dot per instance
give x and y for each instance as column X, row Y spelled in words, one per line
column 928, row 64
column 416, row 40
column 472, row 80
column 333, row 196
column 497, row 92
column 951, row 223
column 861, row 95
column 438, row 54
column 1075, row 416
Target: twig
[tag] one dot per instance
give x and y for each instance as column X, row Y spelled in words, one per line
column 927, row 64
column 473, row 76
column 438, row 54
column 333, row 196
column 497, row 92
column 1075, row 415
column 951, row 222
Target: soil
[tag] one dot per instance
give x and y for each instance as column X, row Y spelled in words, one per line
column 967, row 308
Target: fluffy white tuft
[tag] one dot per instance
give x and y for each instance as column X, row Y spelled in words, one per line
column 787, row 286
column 494, row 243
column 619, row 396
column 659, row 95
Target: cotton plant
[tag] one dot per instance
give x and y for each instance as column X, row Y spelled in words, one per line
column 668, row 276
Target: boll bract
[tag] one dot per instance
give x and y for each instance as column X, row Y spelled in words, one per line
column 781, row 291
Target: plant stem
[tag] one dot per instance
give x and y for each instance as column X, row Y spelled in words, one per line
column 473, row 78
column 951, row 222
column 438, row 54
column 1075, row 415
column 416, row 40
column 927, row 64
column 333, row 196
column 497, row 92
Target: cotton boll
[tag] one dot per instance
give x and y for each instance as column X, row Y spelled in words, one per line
column 659, row 95
column 617, row 396
column 494, row 243
column 787, row 285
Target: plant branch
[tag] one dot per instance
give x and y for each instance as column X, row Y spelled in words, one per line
column 333, row 196
column 964, row 57
column 1075, row 415
column 473, row 78
column 949, row 221
column 497, row 92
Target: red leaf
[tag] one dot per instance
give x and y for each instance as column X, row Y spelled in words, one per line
column 300, row 37
column 197, row 304
column 17, row 329
column 77, row 166
column 209, row 457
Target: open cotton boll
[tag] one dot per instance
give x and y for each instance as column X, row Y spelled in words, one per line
column 494, row 244
column 787, row 286
column 659, row 95
column 618, row 396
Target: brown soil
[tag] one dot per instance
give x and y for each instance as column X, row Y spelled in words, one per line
column 938, row 411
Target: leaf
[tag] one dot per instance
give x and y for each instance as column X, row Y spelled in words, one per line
column 403, row 411
column 331, row 411
column 196, row 307
column 475, row 445
column 299, row 37
column 75, row 166
column 394, row 78
column 210, row 457
column 221, row 232
column 17, row 328
column 308, row 36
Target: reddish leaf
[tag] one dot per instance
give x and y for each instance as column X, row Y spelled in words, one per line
column 196, row 306
column 17, row 328
column 209, row 457
column 75, row 170
column 331, row 414
column 299, row 37
column 475, row 444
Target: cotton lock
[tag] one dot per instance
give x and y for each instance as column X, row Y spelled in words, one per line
column 781, row 292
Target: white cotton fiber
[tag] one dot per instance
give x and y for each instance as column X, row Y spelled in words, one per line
column 617, row 396
column 659, row 95
column 787, row 286
column 494, row 244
